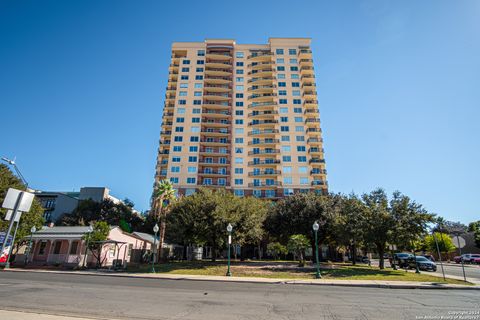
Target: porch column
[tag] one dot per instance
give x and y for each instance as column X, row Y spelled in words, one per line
column 67, row 254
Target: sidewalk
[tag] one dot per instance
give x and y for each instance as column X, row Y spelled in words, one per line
column 324, row 282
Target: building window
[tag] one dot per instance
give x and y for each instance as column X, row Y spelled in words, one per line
column 178, row 129
column 198, row 77
column 238, row 140
column 280, row 68
column 300, row 138
column 182, row 93
column 239, row 112
column 287, row 170
column 239, row 130
column 301, row 148
column 180, row 120
column 199, row 69
column 287, row 180
column 177, row 149
column 299, row 129
column 283, row 101
column 280, row 60
column 239, row 71
column 238, row 181
column 239, row 54
column 286, row 158
column 303, row 180
column 239, row 88
column 192, row 169
column 293, row 68
column 197, row 93
column 198, row 85
column 298, row 119
column 197, row 102
column 283, row 119
column 239, row 64
column 285, row 138
column 239, row 95
column 200, row 61
column 279, row 51
column 184, row 77
column 196, row 110
column 283, row 110
column 296, row 93
column 192, row 159
column 293, row 61
column 292, row 51
column 282, row 84
column 239, row 160
column 297, row 110
column 281, row 76
column 195, row 120
column 302, row 159
column 178, row 139
column 238, row 121
column 186, row 61
column 193, row 149
column 180, row 110
column 176, row 159
column 183, row 85
column 185, row 69
column 191, row 180
column 174, row 179
column 175, row 169
column 295, row 76
column 296, row 84
column 284, row 129
column 238, row 192
column 201, row 53
column 239, row 104
column 286, row 149
column 297, row 101
column 302, row 169
column 238, row 170
column 239, row 79
column 194, row 139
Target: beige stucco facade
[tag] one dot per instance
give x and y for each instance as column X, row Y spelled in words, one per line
column 242, row 117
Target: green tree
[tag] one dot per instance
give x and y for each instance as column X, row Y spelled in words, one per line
column 297, row 213
column 349, row 224
column 100, row 232
column 114, row 214
column 163, row 197
column 297, row 245
column 276, row 249
column 410, row 221
column 28, row 219
column 445, row 243
column 378, row 222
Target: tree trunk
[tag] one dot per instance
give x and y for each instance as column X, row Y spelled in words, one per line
column 354, row 253
column 163, row 227
column 381, row 252
column 242, row 253
column 214, row 249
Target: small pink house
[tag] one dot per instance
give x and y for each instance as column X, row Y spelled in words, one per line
column 65, row 246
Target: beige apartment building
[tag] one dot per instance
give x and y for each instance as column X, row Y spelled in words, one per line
column 242, row 117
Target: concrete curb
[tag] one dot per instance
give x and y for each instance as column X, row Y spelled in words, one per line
column 340, row 283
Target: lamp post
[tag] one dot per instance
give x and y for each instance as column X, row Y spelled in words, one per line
column 32, row 231
column 154, row 249
column 229, row 229
column 315, row 230
column 89, row 231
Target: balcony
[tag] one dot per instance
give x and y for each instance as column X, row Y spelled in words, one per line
column 261, row 81
column 263, row 114
column 215, row 133
column 264, row 173
column 214, row 152
column 266, row 132
column 315, row 151
column 263, row 142
column 260, row 65
column 261, row 73
column 312, row 122
column 305, row 54
column 316, row 160
column 263, row 184
column 313, row 130
column 213, row 163
column 214, row 184
column 165, row 133
column 218, row 65
column 217, row 72
column 310, row 94
column 264, row 163
column 168, row 115
column 212, row 173
column 307, row 71
column 318, row 183
column 216, row 105
column 259, row 97
column 215, row 124
column 218, row 56
column 217, row 80
column 217, row 88
column 317, row 172
column 308, row 78
column 315, row 141
column 261, row 89
column 216, row 96
column 306, row 62
column 215, row 114
column 266, row 152
column 214, row 142
column 262, row 105
column 260, row 56
column 263, row 123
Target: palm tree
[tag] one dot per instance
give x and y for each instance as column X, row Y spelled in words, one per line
column 163, row 196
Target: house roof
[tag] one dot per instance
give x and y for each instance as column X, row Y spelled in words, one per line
column 144, row 236
column 75, row 232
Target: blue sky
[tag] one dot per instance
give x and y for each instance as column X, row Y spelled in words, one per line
column 82, row 86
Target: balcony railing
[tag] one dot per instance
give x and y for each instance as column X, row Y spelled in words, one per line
column 262, row 113
column 264, row 184
column 264, row 152
column 260, row 132
column 264, row 162
column 264, row 173
column 316, row 160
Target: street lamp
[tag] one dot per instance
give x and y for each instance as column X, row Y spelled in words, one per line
column 33, row 229
column 315, row 230
column 154, row 249
column 89, row 231
column 229, row 229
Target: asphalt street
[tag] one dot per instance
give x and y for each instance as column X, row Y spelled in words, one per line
column 104, row 297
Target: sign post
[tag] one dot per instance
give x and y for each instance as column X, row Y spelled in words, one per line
column 459, row 242
column 18, row 201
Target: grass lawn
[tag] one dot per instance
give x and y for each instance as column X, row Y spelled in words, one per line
column 290, row 270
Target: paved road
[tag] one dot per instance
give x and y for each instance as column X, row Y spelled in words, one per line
column 104, row 297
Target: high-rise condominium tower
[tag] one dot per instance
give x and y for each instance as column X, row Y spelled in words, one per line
column 242, row 117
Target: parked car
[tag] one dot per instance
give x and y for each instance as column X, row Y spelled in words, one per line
column 476, row 260
column 471, row 258
column 423, row 263
column 401, row 259
column 467, row 258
